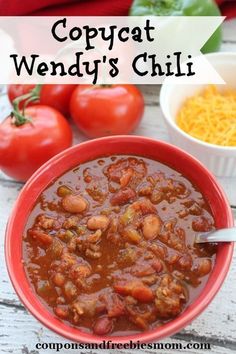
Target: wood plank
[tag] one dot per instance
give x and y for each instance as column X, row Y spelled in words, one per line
column 21, row 332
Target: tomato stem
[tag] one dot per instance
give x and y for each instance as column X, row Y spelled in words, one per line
column 105, row 85
column 18, row 115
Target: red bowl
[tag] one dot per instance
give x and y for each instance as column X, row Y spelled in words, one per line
column 157, row 150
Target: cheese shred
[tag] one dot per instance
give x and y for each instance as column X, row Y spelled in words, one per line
column 210, row 116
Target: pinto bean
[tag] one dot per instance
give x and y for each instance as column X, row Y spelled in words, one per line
column 185, row 262
column 103, row 326
column 151, row 227
column 203, row 267
column 58, row 279
column 74, row 203
column 98, row 222
column 62, row 191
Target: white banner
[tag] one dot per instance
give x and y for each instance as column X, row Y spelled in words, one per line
column 106, row 50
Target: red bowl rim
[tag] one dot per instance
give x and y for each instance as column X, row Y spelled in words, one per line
column 165, row 330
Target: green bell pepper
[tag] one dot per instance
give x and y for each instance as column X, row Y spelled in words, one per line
column 181, row 8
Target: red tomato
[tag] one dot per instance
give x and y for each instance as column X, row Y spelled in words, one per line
column 56, row 96
column 24, row 148
column 106, row 110
column 14, row 91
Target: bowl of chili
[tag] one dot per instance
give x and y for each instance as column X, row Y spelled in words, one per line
column 99, row 245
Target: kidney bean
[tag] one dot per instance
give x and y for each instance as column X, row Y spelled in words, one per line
column 41, row 236
column 151, row 227
column 74, row 203
column 123, row 196
column 103, row 326
column 98, row 222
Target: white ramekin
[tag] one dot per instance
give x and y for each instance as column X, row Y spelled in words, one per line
column 220, row 160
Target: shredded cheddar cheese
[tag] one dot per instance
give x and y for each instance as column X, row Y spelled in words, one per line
column 210, row 116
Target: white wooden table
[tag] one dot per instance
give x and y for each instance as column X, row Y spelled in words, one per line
column 19, row 331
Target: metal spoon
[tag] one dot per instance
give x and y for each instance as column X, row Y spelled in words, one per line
column 221, row 235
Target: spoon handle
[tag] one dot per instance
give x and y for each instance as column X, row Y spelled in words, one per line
column 221, row 235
